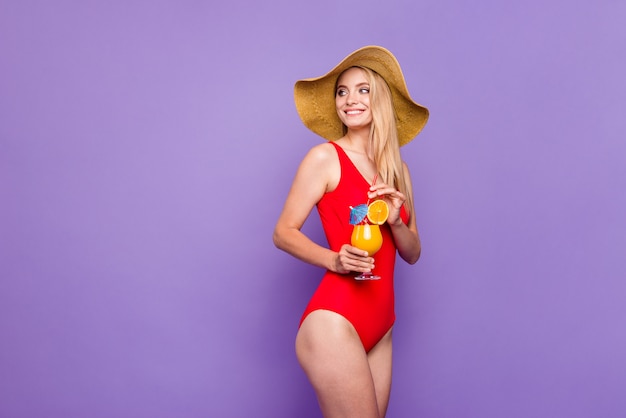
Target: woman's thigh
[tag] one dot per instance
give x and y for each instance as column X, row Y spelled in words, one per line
column 331, row 354
column 380, row 361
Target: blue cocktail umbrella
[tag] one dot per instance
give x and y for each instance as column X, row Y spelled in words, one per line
column 357, row 214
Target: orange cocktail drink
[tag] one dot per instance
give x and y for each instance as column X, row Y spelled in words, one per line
column 367, row 237
column 366, row 234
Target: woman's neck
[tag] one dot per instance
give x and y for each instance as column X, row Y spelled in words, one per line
column 359, row 141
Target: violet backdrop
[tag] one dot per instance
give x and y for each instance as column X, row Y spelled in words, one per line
column 146, row 148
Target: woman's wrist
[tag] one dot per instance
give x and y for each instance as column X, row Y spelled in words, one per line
column 396, row 224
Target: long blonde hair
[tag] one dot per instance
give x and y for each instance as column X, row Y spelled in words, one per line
column 384, row 136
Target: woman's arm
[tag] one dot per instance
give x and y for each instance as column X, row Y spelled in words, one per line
column 405, row 236
column 318, row 173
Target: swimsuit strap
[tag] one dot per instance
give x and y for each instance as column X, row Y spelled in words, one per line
column 345, row 161
column 343, row 157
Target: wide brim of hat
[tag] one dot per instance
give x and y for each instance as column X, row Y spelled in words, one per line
column 315, row 97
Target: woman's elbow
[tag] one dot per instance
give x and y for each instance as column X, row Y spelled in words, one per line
column 413, row 257
column 414, row 260
column 276, row 237
column 280, row 237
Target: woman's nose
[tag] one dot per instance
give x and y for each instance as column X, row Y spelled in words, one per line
column 351, row 98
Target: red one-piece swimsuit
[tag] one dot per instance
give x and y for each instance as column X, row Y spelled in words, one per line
column 369, row 304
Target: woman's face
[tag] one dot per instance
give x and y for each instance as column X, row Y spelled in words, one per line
column 352, row 99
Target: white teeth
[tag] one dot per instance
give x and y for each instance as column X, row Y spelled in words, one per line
column 354, row 112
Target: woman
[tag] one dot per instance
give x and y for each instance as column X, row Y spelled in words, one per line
column 363, row 108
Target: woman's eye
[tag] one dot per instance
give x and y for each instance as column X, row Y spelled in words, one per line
column 365, row 90
column 341, row 92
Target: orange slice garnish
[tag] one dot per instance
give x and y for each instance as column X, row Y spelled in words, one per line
column 377, row 212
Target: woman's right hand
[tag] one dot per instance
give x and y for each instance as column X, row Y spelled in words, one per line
column 351, row 259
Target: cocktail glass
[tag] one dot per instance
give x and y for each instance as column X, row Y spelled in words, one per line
column 368, row 238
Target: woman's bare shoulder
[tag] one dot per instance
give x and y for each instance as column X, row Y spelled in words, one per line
column 322, row 164
column 324, row 152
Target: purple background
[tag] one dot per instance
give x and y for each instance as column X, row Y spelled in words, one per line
column 146, row 149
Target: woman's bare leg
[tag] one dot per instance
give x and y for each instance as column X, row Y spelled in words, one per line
column 379, row 359
column 332, row 356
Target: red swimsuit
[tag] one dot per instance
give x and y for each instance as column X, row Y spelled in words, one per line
column 368, row 305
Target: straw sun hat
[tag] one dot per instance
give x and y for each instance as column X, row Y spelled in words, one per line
column 315, row 97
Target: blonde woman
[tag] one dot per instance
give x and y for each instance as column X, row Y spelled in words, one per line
column 362, row 107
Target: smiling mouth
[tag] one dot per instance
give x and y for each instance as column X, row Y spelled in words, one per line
column 354, row 112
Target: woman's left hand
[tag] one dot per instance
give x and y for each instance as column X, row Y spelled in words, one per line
column 392, row 196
